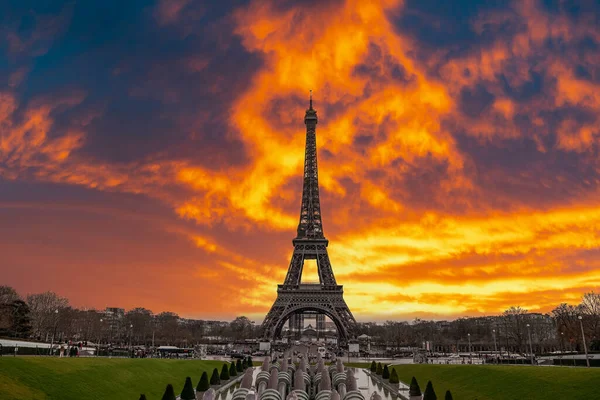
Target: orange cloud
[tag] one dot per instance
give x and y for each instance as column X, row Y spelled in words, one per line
column 413, row 228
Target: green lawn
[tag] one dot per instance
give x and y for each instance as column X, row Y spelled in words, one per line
column 95, row 378
column 488, row 382
column 119, row 378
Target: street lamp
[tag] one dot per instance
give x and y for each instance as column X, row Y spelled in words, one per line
column 470, row 356
column 530, row 346
column 99, row 338
column 562, row 347
column 54, row 333
column 587, row 360
column 130, row 334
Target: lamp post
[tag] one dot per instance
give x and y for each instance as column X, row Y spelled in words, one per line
column 562, row 347
column 495, row 344
column 130, row 334
column 54, row 333
column 470, row 356
column 99, row 338
column 587, row 360
column 530, row 345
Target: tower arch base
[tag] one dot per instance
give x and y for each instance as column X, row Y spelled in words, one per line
column 309, row 297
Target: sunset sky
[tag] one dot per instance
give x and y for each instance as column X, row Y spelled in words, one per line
column 151, row 152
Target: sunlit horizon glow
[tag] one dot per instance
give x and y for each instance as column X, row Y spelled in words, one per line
column 458, row 154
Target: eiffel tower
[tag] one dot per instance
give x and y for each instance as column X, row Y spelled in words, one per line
column 294, row 297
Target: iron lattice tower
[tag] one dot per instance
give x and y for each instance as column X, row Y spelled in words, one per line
column 295, row 297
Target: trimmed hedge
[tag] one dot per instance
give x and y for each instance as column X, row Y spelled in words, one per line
column 414, row 389
column 250, row 362
column 379, row 370
column 448, row 395
column 169, row 393
column 238, row 366
column 394, row 376
column 373, row 366
column 386, row 372
column 580, row 362
column 224, row 373
column 188, row 392
column 232, row 370
column 215, row 379
column 429, row 392
column 203, row 384
column 142, row 397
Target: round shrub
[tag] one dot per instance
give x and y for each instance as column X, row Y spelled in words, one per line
column 214, row 378
column 224, row 373
column 169, row 393
column 203, row 384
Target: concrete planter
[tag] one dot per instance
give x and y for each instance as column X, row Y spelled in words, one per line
column 392, row 387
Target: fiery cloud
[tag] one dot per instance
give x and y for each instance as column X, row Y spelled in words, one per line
column 458, row 158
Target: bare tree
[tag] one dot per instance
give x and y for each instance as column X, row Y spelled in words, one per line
column 514, row 320
column 241, row 328
column 44, row 315
column 398, row 333
column 167, row 327
column 590, row 308
column 139, row 320
column 567, row 324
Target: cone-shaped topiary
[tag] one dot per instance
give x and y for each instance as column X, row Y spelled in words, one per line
column 215, row 379
column 232, row 370
column 414, row 389
column 188, row 392
column 379, row 369
column 386, row 372
column 244, row 365
column 250, row 362
column 142, row 396
column 373, row 366
column 224, row 373
column 429, row 392
column 448, row 395
column 394, row 376
column 203, row 384
column 169, row 393
column 238, row 366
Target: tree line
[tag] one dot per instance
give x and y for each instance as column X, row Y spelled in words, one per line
column 558, row 330
column 47, row 316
